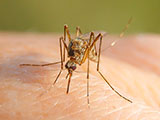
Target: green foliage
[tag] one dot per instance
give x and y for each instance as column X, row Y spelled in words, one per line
column 51, row 15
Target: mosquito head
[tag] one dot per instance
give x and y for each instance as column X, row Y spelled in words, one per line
column 70, row 65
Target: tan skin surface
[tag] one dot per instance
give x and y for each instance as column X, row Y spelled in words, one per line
column 131, row 66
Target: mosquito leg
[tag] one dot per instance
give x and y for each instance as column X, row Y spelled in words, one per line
column 78, row 31
column 104, row 77
column 90, row 46
column 113, row 88
column 89, row 43
column 60, row 44
column 95, row 40
column 91, row 38
column 99, row 55
column 57, row 76
column 86, row 55
column 65, row 46
column 65, row 26
column 41, row 65
column 48, row 64
column 95, row 48
column 88, row 80
column 66, row 32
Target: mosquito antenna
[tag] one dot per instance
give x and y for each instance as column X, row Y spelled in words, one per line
column 121, row 34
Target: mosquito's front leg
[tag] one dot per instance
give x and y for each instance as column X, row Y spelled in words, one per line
column 66, row 32
column 48, row 64
column 60, row 44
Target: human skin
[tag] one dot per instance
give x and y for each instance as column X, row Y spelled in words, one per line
column 131, row 66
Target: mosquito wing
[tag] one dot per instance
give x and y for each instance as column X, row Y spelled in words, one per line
column 110, row 41
column 87, row 35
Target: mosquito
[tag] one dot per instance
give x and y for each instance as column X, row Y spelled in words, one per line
column 81, row 49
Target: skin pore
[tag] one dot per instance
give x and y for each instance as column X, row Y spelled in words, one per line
column 131, row 66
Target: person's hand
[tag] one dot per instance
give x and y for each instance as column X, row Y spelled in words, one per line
column 131, row 66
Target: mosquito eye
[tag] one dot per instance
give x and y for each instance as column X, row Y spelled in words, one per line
column 66, row 66
column 73, row 67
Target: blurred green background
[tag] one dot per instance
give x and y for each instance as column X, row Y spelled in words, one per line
column 51, row 15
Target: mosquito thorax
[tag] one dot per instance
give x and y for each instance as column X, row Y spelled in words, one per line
column 70, row 65
column 70, row 50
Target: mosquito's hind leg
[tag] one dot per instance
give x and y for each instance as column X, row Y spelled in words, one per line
column 104, row 77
